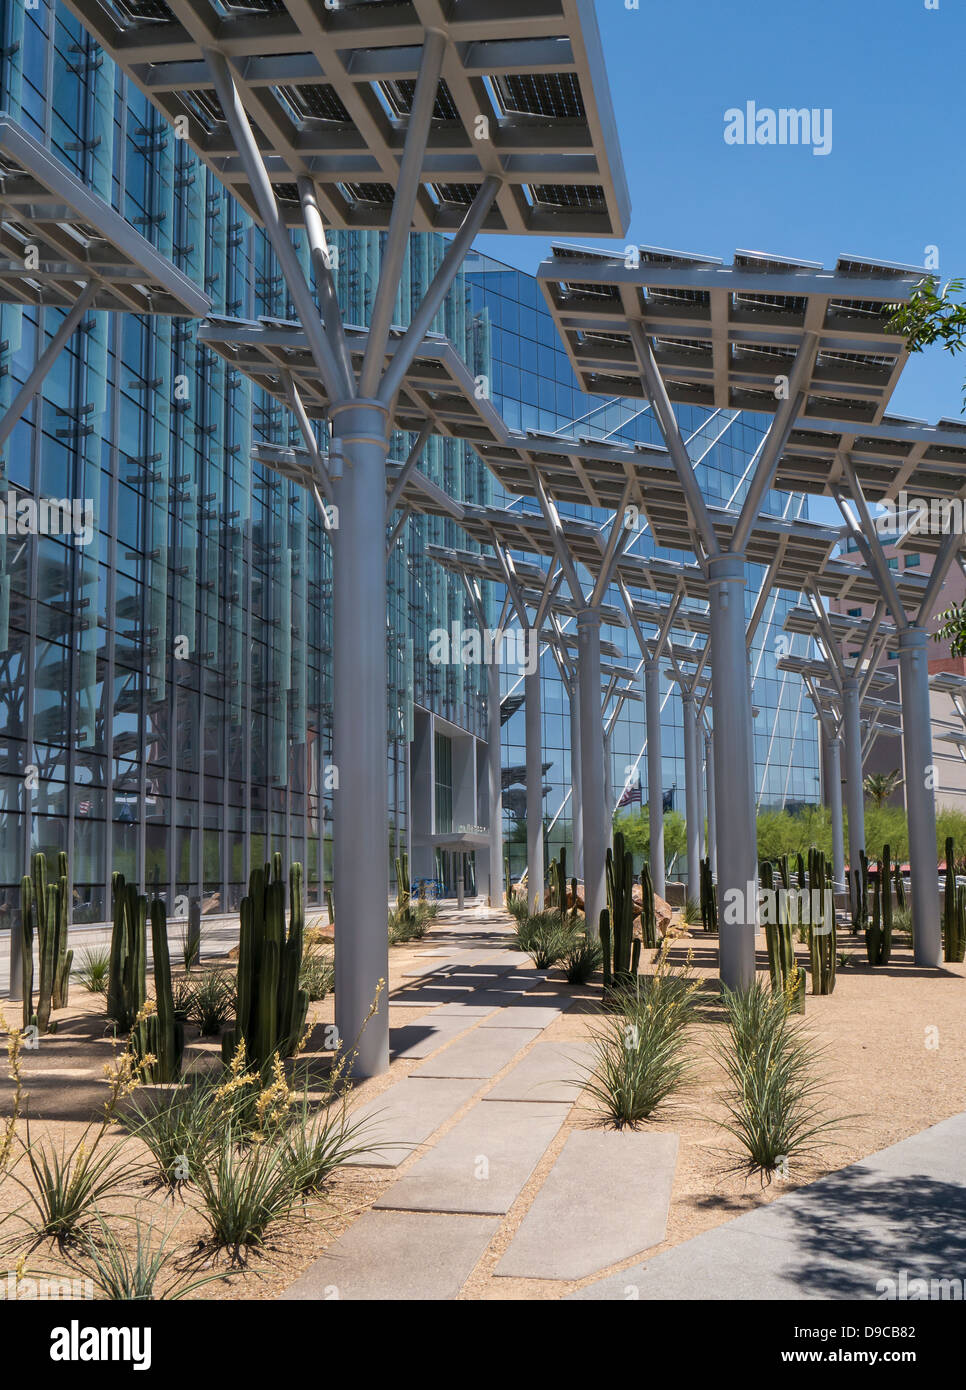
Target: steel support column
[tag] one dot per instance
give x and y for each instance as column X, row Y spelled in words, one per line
column 854, row 791
column 919, row 775
column 692, row 799
column 576, row 790
column 494, row 779
column 359, row 674
column 595, row 821
column 534, row 749
column 712, row 805
column 737, row 847
column 833, row 775
column 655, row 773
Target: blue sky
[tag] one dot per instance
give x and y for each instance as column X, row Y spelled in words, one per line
column 891, row 71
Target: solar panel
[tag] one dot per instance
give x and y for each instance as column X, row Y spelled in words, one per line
column 329, row 89
column 723, row 334
column 889, row 458
column 438, row 387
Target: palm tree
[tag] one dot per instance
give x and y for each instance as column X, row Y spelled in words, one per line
column 879, row 786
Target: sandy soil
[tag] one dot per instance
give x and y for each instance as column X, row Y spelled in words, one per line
column 894, row 1055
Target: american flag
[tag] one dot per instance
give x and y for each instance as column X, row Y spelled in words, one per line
column 630, row 795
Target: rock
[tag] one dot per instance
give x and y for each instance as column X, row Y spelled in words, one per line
column 663, row 912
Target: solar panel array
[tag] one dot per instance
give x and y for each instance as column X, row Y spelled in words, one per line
column 437, row 388
column 723, row 335
column 893, row 456
column 56, row 236
column 328, row 88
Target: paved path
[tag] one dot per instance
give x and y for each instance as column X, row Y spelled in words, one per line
column 468, row 1127
column 865, row 1232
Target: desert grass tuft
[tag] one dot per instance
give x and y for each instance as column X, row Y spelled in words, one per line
column 776, row 1103
column 640, row 1058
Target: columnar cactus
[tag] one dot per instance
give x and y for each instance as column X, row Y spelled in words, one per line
column 878, row 937
column 821, row 924
column 44, row 914
column 271, row 1008
column 159, row 1034
column 622, row 951
column 709, row 898
column 955, row 940
column 786, row 977
column 648, row 917
column 860, row 895
column 954, row 911
column 126, row 980
column 27, row 949
column 558, row 881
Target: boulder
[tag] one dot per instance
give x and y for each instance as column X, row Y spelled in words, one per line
column 663, row 912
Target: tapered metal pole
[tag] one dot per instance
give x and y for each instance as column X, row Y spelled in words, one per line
column 655, row 773
column 592, row 768
column 692, row 800
column 712, row 805
column 494, row 783
column 854, row 791
column 359, row 736
column 534, row 741
column 576, row 798
column 737, row 848
column 920, row 797
column 608, row 774
column 833, row 775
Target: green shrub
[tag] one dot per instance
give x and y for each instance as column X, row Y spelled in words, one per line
column 95, row 962
column 775, row 1102
column 211, row 1001
column 547, row 937
column 640, row 1058
column 318, row 973
column 68, row 1185
column 178, row 1128
column 319, row 1140
column 120, row 1276
column 583, row 958
column 244, row 1189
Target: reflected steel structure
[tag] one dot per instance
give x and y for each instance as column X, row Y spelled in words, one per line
column 403, row 117
column 783, row 337
column 61, row 246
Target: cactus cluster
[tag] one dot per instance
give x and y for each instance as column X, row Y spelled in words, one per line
column 43, row 913
column 709, row 898
column 622, row 951
column 954, row 911
column 878, row 936
column 821, row 924
column 271, row 1009
column 648, row 916
column 786, row 977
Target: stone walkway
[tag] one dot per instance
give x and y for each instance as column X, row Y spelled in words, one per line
column 868, row 1231
column 467, row 1128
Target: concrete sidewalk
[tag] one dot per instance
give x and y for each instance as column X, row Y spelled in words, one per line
column 864, row 1232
